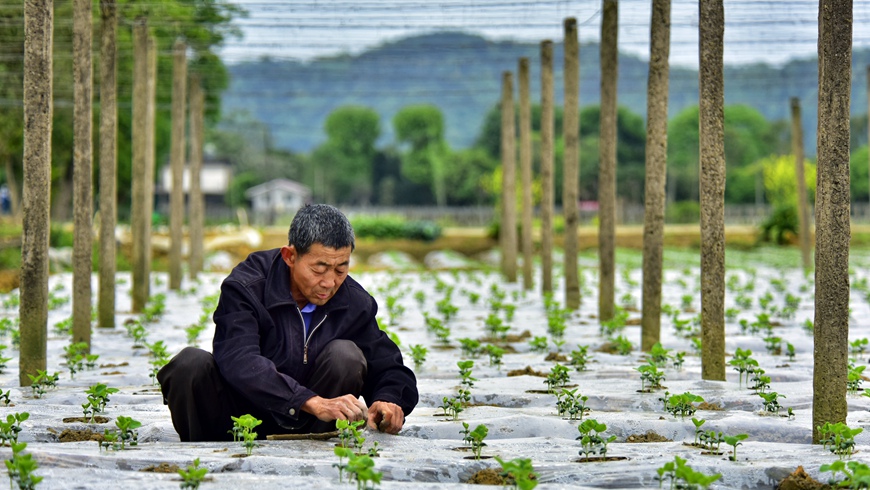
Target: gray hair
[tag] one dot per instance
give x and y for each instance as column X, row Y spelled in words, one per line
column 320, row 223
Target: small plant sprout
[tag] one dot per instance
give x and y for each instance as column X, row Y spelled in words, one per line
column 838, row 438
column 495, row 326
column 698, row 430
column 10, row 429
column 773, row 345
column 418, row 354
column 557, row 378
column 193, row 476
column 539, row 344
column 682, row 476
column 244, row 427
column 580, row 357
column 658, row 355
column 855, row 378
column 75, row 357
column 519, row 473
column 571, row 403
column 155, row 308
column 789, row 351
column 683, row 404
column 495, row 355
column 192, row 332
column 744, row 364
column 855, row 474
column 591, row 438
column 159, row 358
column 348, row 431
column 21, row 468
column 466, row 380
column 3, row 360
column 4, row 398
column 734, row 441
column 98, row 397
column 470, row 347
column 651, row 376
column 678, row 360
column 476, row 438
column 857, row 347
column 127, row 433
column 771, row 402
column 622, row 345
column 808, row 326
column 342, row 453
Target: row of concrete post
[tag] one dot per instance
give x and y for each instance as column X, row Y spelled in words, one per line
column 37, row 172
column 832, row 202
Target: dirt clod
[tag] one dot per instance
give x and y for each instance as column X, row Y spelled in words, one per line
column 86, row 420
column 488, row 476
column 72, row 435
column 526, row 371
column 709, row 406
column 161, row 468
column 557, row 357
column 800, row 480
column 650, row 436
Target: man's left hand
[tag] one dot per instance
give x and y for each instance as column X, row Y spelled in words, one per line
column 386, row 417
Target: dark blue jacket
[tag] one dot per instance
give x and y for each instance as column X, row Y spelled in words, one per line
column 259, row 345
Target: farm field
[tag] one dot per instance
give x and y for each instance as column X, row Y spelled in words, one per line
column 454, row 314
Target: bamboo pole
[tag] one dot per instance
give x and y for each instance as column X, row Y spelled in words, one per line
column 176, row 162
column 831, row 339
column 83, row 171
column 797, row 145
column 195, row 199
column 547, row 131
column 609, row 59
column 509, row 164
column 33, row 308
column 108, row 162
column 571, row 165
column 712, row 190
column 656, row 172
column 526, row 172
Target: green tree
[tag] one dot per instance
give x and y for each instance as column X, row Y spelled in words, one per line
column 748, row 137
column 349, row 153
column 420, row 130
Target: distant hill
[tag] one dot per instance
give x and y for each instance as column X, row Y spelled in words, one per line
column 461, row 74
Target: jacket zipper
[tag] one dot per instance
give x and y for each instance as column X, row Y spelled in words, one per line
column 305, row 351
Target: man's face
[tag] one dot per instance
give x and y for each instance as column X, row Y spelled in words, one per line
column 316, row 275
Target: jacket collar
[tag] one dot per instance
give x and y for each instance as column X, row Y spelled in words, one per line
column 278, row 288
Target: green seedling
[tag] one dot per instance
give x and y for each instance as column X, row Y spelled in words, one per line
column 418, row 354
column 591, row 438
column 683, row 404
column 127, row 433
column 361, row 468
column 420, row 297
column 858, row 347
column 698, row 430
column 39, row 383
column 243, row 426
column 789, row 351
column 519, row 473
column 10, row 429
column 734, row 441
column 622, row 345
column 771, row 402
column 495, row 326
column 856, row 475
column 838, row 438
column 63, row 327
column 3, row 360
column 539, row 344
column 616, row 324
column 760, row 382
column 21, row 468
column 651, row 376
column 342, row 453
column 193, row 476
column 4, row 398
column 155, row 308
column 854, row 378
column 557, row 378
column 495, row 355
column 658, row 355
column 809, row 326
column 75, row 357
column 98, row 397
column 678, row 360
column 476, row 438
column 682, row 476
column 711, row 440
column 159, row 358
column 571, row 403
column 470, row 347
column 580, row 357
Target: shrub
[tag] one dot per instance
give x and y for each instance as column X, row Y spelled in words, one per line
column 781, row 226
column 395, row 227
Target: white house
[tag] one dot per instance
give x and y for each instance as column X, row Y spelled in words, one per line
column 276, row 198
column 214, row 181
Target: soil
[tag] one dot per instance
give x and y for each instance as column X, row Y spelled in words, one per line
column 161, row 468
column 600, row 459
column 482, row 457
column 709, row 406
column 800, row 480
column 650, row 436
column 526, row 371
column 556, row 357
column 508, row 339
column 72, row 435
column 487, row 476
column 120, row 364
column 86, row 420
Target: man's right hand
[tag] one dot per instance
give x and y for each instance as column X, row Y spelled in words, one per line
column 345, row 407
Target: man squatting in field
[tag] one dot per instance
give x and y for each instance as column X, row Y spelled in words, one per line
column 296, row 344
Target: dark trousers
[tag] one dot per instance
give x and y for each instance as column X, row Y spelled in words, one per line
column 202, row 403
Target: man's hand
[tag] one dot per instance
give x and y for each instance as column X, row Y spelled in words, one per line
column 386, row 417
column 345, row 407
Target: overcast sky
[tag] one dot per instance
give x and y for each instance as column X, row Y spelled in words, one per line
column 771, row 31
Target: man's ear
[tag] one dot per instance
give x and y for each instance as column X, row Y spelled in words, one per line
column 289, row 254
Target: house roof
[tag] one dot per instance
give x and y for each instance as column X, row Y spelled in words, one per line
column 282, row 185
